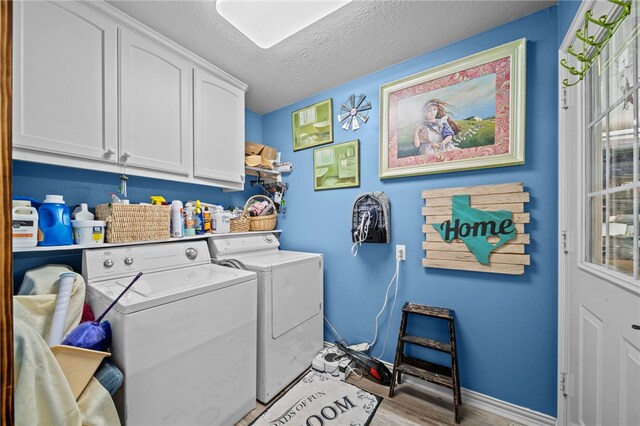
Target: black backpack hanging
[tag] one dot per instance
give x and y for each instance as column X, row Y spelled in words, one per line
column 371, row 220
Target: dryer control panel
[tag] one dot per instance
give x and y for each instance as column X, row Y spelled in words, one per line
column 225, row 247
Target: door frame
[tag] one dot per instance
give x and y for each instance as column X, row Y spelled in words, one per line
column 570, row 130
column 6, row 272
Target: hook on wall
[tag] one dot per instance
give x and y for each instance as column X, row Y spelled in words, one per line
column 592, row 45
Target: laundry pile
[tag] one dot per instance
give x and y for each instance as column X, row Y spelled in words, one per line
column 42, row 392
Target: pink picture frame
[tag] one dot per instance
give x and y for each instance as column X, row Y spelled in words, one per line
column 464, row 115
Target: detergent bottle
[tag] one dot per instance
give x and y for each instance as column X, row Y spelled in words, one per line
column 199, row 219
column 24, row 221
column 54, row 222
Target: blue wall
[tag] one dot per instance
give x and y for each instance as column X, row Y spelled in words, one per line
column 506, row 324
column 566, row 12
column 93, row 187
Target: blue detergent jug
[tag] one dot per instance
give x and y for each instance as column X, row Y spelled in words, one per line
column 54, row 222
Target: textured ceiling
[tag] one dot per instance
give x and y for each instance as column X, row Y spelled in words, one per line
column 358, row 39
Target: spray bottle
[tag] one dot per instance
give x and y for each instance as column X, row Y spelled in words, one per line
column 177, row 224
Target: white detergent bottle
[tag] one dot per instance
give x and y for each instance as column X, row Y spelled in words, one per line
column 82, row 213
column 222, row 221
column 24, row 226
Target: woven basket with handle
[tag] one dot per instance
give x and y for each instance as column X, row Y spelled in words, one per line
column 261, row 223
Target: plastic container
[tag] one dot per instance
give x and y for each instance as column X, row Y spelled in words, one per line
column 78, row 365
column 54, row 223
column 221, row 222
column 199, row 218
column 206, row 220
column 88, row 232
column 24, row 221
column 189, row 221
column 82, row 213
column 177, row 222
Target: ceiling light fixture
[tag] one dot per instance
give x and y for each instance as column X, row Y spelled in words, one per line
column 268, row 22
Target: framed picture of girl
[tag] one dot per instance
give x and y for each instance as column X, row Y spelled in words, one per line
column 464, row 115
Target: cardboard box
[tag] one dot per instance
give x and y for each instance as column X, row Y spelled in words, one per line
column 78, row 365
column 252, row 148
column 253, row 160
column 269, row 153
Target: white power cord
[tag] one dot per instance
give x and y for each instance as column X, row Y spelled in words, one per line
column 393, row 305
column 361, row 233
column 384, row 305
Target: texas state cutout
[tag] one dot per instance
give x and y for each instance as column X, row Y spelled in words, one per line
column 474, row 227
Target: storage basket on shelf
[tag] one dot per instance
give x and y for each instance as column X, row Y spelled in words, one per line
column 262, row 223
column 134, row 222
column 240, row 224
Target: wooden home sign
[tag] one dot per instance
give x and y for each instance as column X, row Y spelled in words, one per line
column 476, row 228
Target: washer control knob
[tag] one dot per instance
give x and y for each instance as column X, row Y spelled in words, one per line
column 128, row 260
column 191, row 253
column 268, row 239
column 108, row 263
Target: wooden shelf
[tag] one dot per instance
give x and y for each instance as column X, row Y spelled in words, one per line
column 38, row 249
column 265, row 172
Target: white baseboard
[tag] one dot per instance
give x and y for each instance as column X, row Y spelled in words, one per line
column 484, row 402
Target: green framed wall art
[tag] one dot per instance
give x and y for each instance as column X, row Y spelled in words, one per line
column 337, row 166
column 313, row 125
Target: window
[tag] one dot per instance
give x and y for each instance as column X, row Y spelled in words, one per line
column 612, row 164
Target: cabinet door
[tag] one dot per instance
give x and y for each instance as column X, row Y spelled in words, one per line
column 64, row 80
column 155, row 109
column 219, row 129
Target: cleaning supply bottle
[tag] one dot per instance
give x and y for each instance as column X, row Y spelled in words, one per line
column 24, row 224
column 177, row 223
column 54, row 222
column 189, row 221
column 199, row 218
column 207, row 220
column 222, row 221
column 82, row 213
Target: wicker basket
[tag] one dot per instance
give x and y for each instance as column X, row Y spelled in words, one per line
column 240, row 224
column 134, row 222
column 262, row 223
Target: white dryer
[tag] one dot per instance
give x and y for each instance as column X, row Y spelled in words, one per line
column 290, row 314
column 184, row 335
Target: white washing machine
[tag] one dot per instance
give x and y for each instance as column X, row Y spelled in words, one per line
column 184, row 335
column 290, row 290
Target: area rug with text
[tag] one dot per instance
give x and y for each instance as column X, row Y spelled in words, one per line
column 317, row 399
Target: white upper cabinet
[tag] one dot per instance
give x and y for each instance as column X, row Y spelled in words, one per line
column 218, row 129
column 155, row 99
column 95, row 89
column 65, row 96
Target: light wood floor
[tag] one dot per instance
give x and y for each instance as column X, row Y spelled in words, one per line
column 411, row 406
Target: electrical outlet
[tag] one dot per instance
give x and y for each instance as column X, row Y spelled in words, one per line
column 401, row 253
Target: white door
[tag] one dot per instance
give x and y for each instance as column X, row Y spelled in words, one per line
column 219, row 129
column 155, row 106
column 64, row 80
column 599, row 296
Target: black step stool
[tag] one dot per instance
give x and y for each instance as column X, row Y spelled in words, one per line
column 425, row 370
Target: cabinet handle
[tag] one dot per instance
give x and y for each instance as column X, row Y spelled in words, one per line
column 110, row 152
column 635, row 326
column 126, row 155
